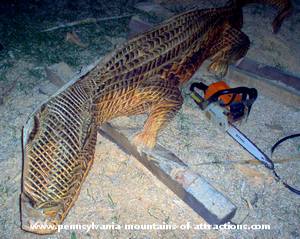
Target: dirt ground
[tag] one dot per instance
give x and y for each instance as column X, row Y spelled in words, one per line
column 118, row 189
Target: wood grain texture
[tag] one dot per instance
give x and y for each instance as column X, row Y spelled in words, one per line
column 144, row 75
column 194, row 190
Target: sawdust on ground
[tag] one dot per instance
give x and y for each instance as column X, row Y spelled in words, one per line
column 119, row 190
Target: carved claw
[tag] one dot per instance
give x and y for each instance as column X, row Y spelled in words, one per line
column 144, row 140
column 218, row 68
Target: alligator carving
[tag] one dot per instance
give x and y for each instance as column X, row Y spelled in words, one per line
column 144, row 75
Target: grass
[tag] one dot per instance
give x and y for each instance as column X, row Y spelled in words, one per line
column 36, row 73
column 111, row 202
column 73, row 235
column 4, row 192
column 21, row 34
column 184, row 124
column 152, row 212
column 22, row 37
column 90, row 195
column 116, row 219
column 3, row 77
column 279, row 65
column 4, row 68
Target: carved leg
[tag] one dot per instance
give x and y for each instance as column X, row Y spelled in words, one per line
column 160, row 112
column 232, row 46
column 284, row 8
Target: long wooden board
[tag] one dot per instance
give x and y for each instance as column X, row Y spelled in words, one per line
column 194, row 190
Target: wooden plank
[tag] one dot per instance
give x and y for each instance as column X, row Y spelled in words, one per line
column 154, row 8
column 277, row 91
column 194, row 190
column 137, row 26
column 269, row 72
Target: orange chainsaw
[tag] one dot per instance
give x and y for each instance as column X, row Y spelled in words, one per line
column 225, row 106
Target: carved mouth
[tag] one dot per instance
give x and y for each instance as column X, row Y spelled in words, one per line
column 35, row 220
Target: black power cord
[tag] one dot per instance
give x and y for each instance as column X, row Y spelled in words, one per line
column 277, row 177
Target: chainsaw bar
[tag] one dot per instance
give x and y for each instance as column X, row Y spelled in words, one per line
column 224, row 105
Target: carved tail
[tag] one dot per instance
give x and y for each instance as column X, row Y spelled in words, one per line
column 284, row 7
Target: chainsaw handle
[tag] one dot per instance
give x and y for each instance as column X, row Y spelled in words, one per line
column 198, row 85
column 199, row 100
column 251, row 93
column 248, row 95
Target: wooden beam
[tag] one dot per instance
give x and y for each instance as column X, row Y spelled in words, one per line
column 271, row 73
column 194, row 190
column 269, row 81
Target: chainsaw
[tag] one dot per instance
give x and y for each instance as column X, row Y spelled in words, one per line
column 227, row 106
